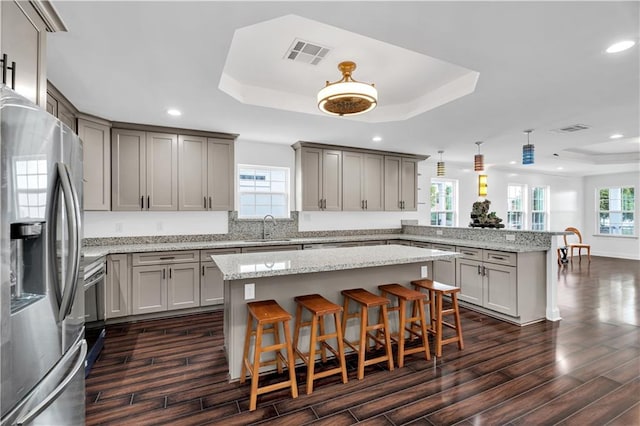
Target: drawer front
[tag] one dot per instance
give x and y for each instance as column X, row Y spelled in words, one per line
column 500, row 257
column 205, row 255
column 421, row 245
column 165, row 257
column 443, row 247
column 470, row 253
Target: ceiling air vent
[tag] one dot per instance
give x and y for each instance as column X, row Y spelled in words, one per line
column 303, row 51
column 571, row 129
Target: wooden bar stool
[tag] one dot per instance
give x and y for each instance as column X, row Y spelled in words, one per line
column 364, row 301
column 418, row 320
column 318, row 306
column 436, row 291
column 268, row 316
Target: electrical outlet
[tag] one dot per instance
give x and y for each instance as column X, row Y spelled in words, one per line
column 249, row 291
column 439, row 232
column 510, row 237
column 424, row 271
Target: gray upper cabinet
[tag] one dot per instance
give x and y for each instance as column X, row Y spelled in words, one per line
column 162, row 171
column 96, row 164
column 128, row 174
column 400, row 183
column 24, row 41
column 362, row 181
column 320, row 179
column 144, row 170
column 205, row 169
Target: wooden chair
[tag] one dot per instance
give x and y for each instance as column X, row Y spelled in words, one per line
column 268, row 316
column 319, row 307
column 579, row 245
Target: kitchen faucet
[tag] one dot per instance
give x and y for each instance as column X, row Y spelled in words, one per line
column 264, row 226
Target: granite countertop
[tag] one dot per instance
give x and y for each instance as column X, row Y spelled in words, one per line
column 140, row 248
column 269, row 264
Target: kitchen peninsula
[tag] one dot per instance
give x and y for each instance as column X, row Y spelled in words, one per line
column 285, row 274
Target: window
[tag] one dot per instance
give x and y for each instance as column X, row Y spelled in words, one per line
column 516, row 206
column 539, row 208
column 617, row 209
column 263, row 190
column 444, row 209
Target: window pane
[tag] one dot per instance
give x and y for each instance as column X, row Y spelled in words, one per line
column 443, row 202
column 263, row 190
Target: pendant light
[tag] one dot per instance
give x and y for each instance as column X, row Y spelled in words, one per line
column 527, row 150
column 347, row 96
column 440, row 166
column 482, row 185
column 478, row 160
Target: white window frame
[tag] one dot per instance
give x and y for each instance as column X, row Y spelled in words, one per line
column 545, row 207
column 454, row 210
column 621, row 211
column 285, row 193
column 523, row 209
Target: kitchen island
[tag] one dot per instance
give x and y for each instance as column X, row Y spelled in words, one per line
column 285, row 274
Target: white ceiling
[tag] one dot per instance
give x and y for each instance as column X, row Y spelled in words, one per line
column 541, row 65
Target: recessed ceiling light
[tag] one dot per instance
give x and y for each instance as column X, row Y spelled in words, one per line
column 620, row 46
column 560, row 168
column 512, row 162
column 377, row 138
column 174, row 112
column 616, row 136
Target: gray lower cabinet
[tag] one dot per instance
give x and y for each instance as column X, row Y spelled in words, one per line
column 163, row 281
column 211, row 283
column 489, row 279
column 444, row 271
column 117, row 286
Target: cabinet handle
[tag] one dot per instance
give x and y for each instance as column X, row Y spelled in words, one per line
column 167, row 258
column 164, row 274
column 498, row 257
column 148, row 201
column 362, row 204
column 169, row 273
column 209, row 203
column 479, row 270
column 484, row 271
column 366, row 204
column 320, row 203
column 466, row 253
column 142, row 202
column 203, row 270
column 5, row 67
column 205, row 202
column 324, row 203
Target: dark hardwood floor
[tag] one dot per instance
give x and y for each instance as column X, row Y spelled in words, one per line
column 582, row 370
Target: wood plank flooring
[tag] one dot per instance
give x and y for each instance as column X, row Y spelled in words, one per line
column 582, row 370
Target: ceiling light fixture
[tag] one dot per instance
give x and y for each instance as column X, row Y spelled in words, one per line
column 621, row 46
column 616, row 136
column 528, row 150
column 377, row 139
column 347, row 96
column 440, row 166
column 478, row 160
column 174, row 112
column 482, row 185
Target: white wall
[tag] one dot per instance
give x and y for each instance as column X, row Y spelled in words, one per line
column 566, row 193
column 133, row 224
column 624, row 247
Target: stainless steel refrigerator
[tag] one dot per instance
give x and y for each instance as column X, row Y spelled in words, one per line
column 42, row 349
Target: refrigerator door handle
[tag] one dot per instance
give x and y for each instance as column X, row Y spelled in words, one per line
column 80, row 346
column 72, row 206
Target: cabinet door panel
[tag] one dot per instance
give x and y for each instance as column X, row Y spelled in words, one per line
column 192, row 172
column 469, row 281
column 149, row 288
column 501, row 290
column 162, row 171
column 332, row 179
column 220, row 174
column 373, row 182
column 392, row 191
column 96, row 164
column 117, row 288
column 128, row 176
column 352, row 182
column 409, row 184
column 211, row 285
column 183, row 286
column 311, row 159
column 444, row 271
